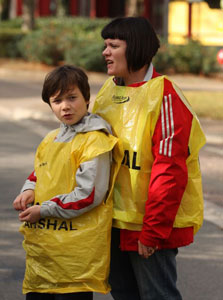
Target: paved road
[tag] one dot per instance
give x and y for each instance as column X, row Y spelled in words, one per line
column 200, row 266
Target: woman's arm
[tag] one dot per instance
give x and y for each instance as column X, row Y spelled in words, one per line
column 169, row 171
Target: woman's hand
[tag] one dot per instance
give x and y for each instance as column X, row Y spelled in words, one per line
column 145, row 251
column 31, row 214
column 23, row 199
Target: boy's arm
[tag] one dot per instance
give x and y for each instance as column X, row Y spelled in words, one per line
column 26, row 195
column 30, row 182
column 92, row 179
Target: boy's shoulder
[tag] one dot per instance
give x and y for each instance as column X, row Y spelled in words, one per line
column 51, row 135
column 93, row 122
column 49, row 138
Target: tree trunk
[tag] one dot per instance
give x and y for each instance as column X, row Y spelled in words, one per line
column 4, row 9
column 62, row 8
column 84, row 8
column 28, row 15
column 132, row 8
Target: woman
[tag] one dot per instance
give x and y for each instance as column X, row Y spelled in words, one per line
column 158, row 203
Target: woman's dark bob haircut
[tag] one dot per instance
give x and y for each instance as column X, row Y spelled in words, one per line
column 64, row 78
column 142, row 41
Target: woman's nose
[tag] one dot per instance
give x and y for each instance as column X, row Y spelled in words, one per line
column 106, row 52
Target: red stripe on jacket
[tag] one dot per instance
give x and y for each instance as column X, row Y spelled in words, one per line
column 32, row 177
column 78, row 204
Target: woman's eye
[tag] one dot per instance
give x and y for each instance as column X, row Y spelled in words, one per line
column 111, row 46
column 114, row 46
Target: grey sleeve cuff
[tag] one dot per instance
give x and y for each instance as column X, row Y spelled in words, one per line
column 28, row 185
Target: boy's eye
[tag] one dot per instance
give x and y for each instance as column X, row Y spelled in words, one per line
column 72, row 97
column 56, row 101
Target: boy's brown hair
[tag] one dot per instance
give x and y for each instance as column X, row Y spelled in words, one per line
column 62, row 79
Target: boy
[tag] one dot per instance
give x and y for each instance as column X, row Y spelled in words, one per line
column 67, row 230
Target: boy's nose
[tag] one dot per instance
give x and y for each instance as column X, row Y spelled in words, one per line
column 65, row 105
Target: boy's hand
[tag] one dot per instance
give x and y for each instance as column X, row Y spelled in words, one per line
column 21, row 201
column 31, row 214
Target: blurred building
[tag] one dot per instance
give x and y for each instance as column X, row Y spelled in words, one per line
column 196, row 19
column 175, row 20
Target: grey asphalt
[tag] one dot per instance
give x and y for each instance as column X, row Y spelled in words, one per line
column 24, row 119
column 200, row 265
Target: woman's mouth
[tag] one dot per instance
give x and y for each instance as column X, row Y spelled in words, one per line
column 109, row 62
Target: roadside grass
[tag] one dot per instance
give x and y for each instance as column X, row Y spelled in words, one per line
column 206, row 104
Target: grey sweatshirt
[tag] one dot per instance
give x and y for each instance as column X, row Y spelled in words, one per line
column 91, row 175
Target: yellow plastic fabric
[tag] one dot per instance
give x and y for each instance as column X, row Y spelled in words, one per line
column 133, row 114
column 65, row 256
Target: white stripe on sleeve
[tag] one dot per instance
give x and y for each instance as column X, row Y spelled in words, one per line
column 167, row 123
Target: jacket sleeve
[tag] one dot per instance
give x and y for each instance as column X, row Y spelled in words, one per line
column 169, row 171
column 30, row 182
column 92, row 179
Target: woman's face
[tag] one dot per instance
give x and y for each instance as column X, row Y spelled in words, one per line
column 114, row 54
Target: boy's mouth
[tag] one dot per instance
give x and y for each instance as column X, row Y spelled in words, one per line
column 67, row 115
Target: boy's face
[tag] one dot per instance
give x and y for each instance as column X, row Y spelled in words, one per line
column 69, row 108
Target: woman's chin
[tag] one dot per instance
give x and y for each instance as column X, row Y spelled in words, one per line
column 110, row 71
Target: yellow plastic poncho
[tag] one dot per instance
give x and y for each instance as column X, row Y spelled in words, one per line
column 65, row 256
column 133, row 114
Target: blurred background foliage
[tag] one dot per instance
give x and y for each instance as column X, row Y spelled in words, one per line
column 77, row 41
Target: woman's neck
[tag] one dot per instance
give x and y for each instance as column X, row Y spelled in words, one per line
column 134, row 77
